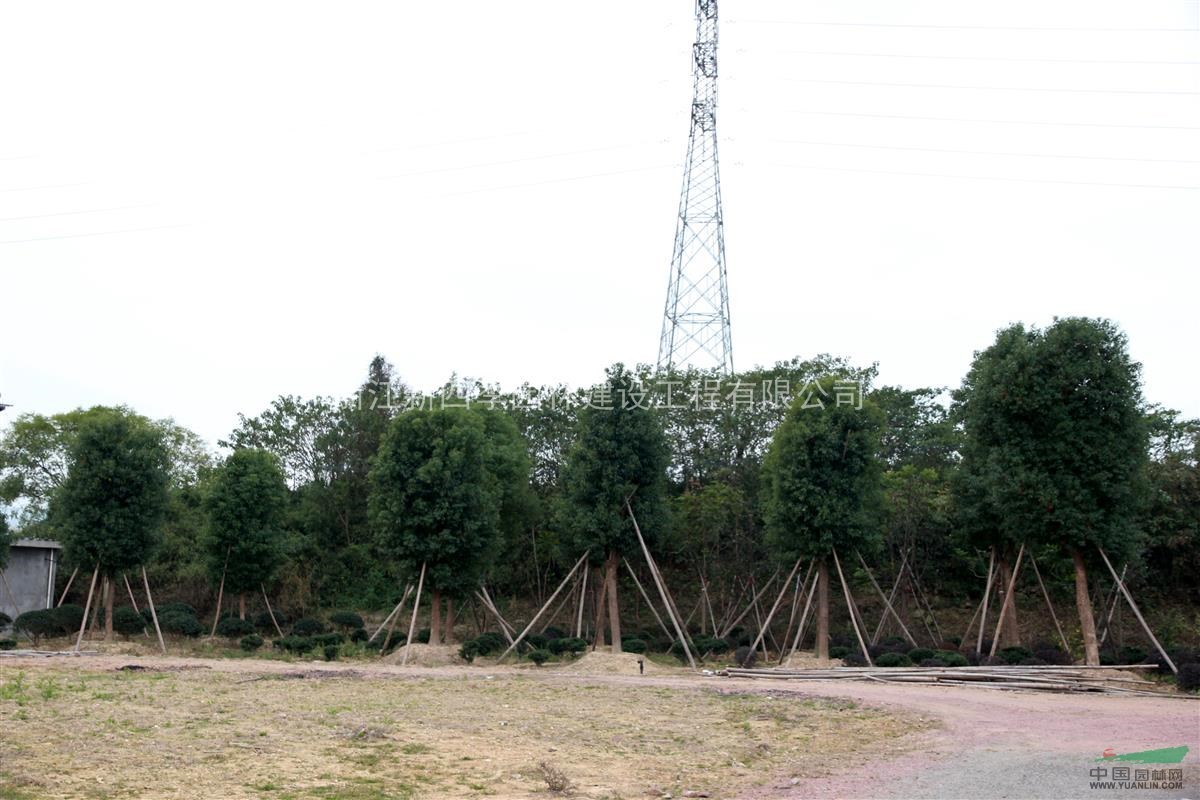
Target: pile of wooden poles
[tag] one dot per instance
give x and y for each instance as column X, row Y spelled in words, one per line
column 1047, row 678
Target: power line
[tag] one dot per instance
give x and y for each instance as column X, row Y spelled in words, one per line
column 991, row 178
column 561, row 180
column 993, row 121
column 988, row 88
column 988, row 152
column 516, row 160
column 1071, row 28
column 1006, row 59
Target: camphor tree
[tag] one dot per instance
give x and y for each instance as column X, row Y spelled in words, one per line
column 109, row 508
column 439, row 485
column 620, row 454
column 821, row 485
column 245, row 506
column 1056, row 439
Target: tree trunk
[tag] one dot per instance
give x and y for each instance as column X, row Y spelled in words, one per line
column 1083, row 602
column 96, row 608
column 1010, row 634
column 108, row 610
column 448, row 635
column 614, row 608
column 435, row 617
column 599, row 596
column 822, row 646
column 242, row 605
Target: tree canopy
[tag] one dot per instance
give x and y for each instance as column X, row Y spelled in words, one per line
column 245, row 505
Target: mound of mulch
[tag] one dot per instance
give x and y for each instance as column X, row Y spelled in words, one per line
column 425, row 655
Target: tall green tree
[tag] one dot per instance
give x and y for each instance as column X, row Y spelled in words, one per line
column 1055, row 448
column 109, row 508
column 5, row 537
column 821, row 484
column 438, row 488
column 245, row 505
column 1172, row 518
column 620, row 455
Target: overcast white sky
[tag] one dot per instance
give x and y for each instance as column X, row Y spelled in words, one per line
column 206, row 206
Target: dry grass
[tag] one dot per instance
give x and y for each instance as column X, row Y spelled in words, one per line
column 69, row 730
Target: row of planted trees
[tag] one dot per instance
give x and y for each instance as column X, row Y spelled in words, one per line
column 1044, row 449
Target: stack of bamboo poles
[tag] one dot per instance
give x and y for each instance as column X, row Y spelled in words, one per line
column 1047, row 677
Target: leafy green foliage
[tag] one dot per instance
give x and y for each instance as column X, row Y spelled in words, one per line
column 919, row 654
column 893, row 660
column 250, row 642
column 1014, row 655
column 951, row 658
column 37, row 625
column 109, row 508
column 308, row 626
column 346, row 620
column 128, row 622
column 234, row 627
column 633, row 645
column 8, row 644
column 540, row 657
column 245, row 505
column 178, row 620
column 1189, row 678
column 569, row 645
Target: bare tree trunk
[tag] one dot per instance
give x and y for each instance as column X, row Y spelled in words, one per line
column 242, row 605
column 435, row 617
column 1083, row 602
column 1010, row 634
column 600, row 594
column 108, row 610
column 822, row 646
column 448, row 635
column 614, row 608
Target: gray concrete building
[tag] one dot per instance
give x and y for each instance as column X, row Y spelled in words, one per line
column 28, row 581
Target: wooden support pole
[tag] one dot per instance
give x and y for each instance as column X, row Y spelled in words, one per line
column 935, row 634
column 495, row 609
column 220, row 594
column 891, row 596
column 800, row 584
column 1038, row 573
column 271, row 612
column 753, row 602
column 1112, row 607
column 775, row 606
column 646, row 597
column 803, row 616
column 662, row 589
column 582, row 602
column 412, row 625
column 391, row 626
column 582, row 560
column 487, row 604
column 987, row 592
column 129, row 589
column 1008, row 600
column 153, row 612
column 391, row 614
column 971, row 624
column 852, row 609
column 87, row 607
column 1137, row 613
column 887, row 603
column 67, row 588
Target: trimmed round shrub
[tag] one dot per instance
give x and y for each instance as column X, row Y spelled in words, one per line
column 180, row 623
column 536, row 641
column 1032, row 661
column 294, row 644
column 1179, row 655
column 933, row 662
column 69, row 617
column 8, row 644
column 633, row 645
column 893, row 644
column 539, row 656
column 250, row 642
column 1052, row 655
column 1189, row 677
column 468, row 650
column 854, row 659
column 5, row 620
column 330, row 651
column 36, row 625
column 346, row 619
column 838, row 651
column 951, row 659
column 128, row 622
column 359, row 635
column 710, row 644
column 169, row 608
column 1132, row 655
column 262, row 621
column 893, row 660
column 554, row 632
column 1014, row 655
column 919, row 654
column 235, row 628
column 307, row 626
column 567, row 644
column 745, row 656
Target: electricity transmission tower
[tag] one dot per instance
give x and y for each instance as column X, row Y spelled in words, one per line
column 696, row 320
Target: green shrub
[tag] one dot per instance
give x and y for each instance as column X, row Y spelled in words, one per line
column 346, row 620
column 69, row 617
column 178, row 621
column 536, row 641
column 128, row 622
column 1052, row 655
column 838, row 652
column 468, row 651
column 1132, row 655
column 490, row 642
column 951, row 658
column 933, row 662
column 359, row 635
column 422, row 636
column 5, row 620
column 1014, row 655
column 854, row 659
column 36, row 625
column 745, row 656
column 540, row 657
column 554, row 632
column 710, row 644
column 235, row 628
column 307, row 626
column 330, row 651
column 633, row 645
column 294, row 644
column 262, row 621
column 169, row 608
column 919, row 654
column 1189, row 677
column 328, row 640
column 568, row 644
column 894, row 644
column 250, row 642
column 893, row 660
column 8, row 644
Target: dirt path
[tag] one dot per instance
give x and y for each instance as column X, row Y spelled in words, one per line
column 989, row 744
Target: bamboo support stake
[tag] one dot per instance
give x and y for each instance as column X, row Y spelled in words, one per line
column 775, row 607
column 67, row 588
column 271, row 612
column 851, row 607
column 803, row 616
column 800, row 584
column 153, row 612
column 87, row 607
column 532, row 622
column 1046, row 594
column 391, row 614
column 987, row 592
column 408, row 588
column 753, row 601
column 936, row 633
column 487, row 604
column 891, row 596
column 1008, row 600
column 646, row 597
column 220, row 594
column 582, row 602
column 412, row 626
column 887, row 603
column 662, row 589
column 495, row 609
column 971, row 624
column 1137, row 613
column 1112, row 607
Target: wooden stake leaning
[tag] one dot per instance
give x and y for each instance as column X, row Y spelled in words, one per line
column 987, row 592
column 646, row 597
column 803, row 616
column 486, row 600
column 391, row 627
column 542, row 610
column 891, row 597
column 67, row 588
column 153, row 612
column 851, row 608
column 887, row 603
column 391, row 614
column 919, row 593
column 1137, row 613
column 662, row 589
column 783, row 589
column 220, row 594
column 753, row 601
column 412, row 626
column 87, row 607
column 582, row 601
column 271, row 612
column 1008, row 599
column 800, row 585
column 1112, row 607
column 1062, row 637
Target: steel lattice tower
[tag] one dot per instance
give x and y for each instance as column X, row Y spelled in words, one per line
column 696, row 319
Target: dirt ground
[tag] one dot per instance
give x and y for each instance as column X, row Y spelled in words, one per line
column 252, row 728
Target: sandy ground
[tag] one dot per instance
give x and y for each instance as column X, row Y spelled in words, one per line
column 934, row 742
